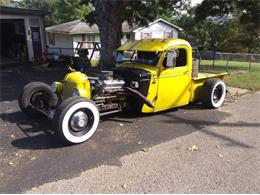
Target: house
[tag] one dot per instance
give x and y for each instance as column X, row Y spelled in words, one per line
column 63, row 38
column 22, row 34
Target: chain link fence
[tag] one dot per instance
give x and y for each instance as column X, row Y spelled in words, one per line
column 231, row 62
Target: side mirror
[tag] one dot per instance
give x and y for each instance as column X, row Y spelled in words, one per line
column 171, row 56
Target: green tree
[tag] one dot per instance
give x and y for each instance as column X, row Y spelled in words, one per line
column 48, row 5
column 68, row 10
column 247, row 13
column 60, row 10
column 109, row 16
column 5, row 2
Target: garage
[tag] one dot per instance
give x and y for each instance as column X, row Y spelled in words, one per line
column 13, row 41
column 22, row 35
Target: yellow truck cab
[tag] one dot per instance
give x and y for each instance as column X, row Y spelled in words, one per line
column 150, row 76
column 168, row 65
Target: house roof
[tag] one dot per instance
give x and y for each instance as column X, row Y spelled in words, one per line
column 79, row 27
column 21, row 11
column 160, row 20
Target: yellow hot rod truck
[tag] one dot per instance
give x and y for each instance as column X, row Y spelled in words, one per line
column 150, row 76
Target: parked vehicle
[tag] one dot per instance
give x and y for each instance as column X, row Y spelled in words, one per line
column 150, row 76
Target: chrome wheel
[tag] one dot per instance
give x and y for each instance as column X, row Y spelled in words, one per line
column 79, row 121
column 217, row 93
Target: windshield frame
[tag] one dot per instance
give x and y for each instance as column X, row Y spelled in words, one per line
column 138, row 61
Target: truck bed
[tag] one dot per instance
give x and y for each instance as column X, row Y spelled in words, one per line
column 197, row 83
column 202, row 76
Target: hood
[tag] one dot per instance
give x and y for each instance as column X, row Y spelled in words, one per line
column 140, row 69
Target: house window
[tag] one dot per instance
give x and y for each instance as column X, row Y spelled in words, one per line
column 83, row 37
column 51, row 38
column 91, row 38
column 146, row 35
column 128, row 36
column 167, row 34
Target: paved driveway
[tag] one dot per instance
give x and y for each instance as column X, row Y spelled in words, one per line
column 30, row 155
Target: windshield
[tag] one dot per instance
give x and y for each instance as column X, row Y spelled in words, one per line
column 143, row 57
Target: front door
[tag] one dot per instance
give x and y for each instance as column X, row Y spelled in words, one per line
column 37, row 44
column 174, row 80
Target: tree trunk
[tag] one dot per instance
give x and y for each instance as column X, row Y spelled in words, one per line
column 109, row 21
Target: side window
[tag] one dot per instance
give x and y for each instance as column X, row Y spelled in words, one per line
column 175, row 58
column 51, row 38
column 181, row 59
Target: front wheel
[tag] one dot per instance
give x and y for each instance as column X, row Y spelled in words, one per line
column 214, row 93
column 36, row 96
column 76, row 120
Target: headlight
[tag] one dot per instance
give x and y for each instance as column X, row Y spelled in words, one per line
column 134, row 84
column 75, row 92
column 56, row 87
column 53, row 87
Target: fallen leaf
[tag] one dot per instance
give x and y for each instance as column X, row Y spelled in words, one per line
column 33, row 158
column 11, row 163
column 193, row 148
column 145, row 149
column 220, row 155
column 124, row 186
column 121, row 125
column 217, row 146
column 139, row 143
column 17, row 154
column 12, row 136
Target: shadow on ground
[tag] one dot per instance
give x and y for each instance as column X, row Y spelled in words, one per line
column 117, row 135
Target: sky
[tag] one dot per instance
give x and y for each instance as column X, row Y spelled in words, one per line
column 194, row 2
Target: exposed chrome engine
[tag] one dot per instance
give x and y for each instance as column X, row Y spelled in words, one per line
column 109, row 84
column 106, row 83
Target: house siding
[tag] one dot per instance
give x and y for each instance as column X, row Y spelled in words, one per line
column 63, row 44
column 156, row 30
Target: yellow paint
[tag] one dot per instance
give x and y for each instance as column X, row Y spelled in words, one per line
column 197, row 83
column 152, row 44
column 59, row 87
column 76, row 80
column 169, row 87
column 174, row 83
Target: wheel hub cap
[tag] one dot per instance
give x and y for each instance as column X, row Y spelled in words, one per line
column 79, row 121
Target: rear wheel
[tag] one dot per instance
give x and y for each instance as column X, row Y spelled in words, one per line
column 36, row 96
column 214, row 93
column 76, row 120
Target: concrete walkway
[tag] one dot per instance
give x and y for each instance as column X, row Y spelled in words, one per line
column 222, row 158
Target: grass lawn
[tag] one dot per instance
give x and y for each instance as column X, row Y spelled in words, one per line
column 239, row 75
column 248, row 80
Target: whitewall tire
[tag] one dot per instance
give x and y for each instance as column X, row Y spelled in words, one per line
column 76, row 120
column 214, row 93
